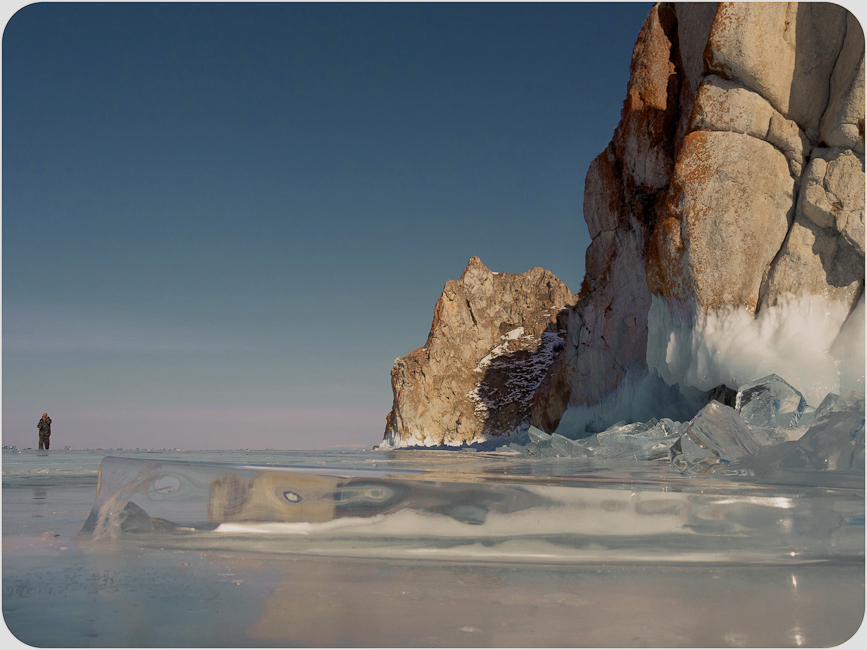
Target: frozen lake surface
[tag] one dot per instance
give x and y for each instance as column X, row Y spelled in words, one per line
column 419, row 549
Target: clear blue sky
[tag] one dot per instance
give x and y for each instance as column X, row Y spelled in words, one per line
column 223, row 222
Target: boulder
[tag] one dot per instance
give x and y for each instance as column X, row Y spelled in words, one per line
column 832, row 194
column 817, row 261
column 842, row 124
column 726, row 106
column 824, row 248
column 786, row 52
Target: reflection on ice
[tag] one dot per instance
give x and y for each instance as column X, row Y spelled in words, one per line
column 494, row 514
column 427, row 549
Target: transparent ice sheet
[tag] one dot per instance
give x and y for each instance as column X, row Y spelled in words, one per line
column 497, row 510
column 636, row 568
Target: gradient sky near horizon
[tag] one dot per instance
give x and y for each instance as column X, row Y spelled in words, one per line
column 223, row 222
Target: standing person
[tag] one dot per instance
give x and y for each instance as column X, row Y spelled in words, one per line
column 44, row 431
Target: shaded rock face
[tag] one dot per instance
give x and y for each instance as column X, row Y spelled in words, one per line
column 734, row 181
column 493, row 337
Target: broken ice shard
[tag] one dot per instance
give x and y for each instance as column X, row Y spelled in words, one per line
column 833, row 403
column 830, row 454
column 834, row 442
column 714, row 437
column 541, row 443
column 566, row 447
column 537, row 435
column 639, row 440
column 549, row 445
column 770, row 402
column 516, row 447
column 545, row 450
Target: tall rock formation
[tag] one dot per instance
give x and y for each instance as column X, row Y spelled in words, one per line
column 730, row 199
column 727, row 225
column 493, row 337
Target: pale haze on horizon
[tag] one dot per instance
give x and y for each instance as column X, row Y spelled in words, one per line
column 223, row 222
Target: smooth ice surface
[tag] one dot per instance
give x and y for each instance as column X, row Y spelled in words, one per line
column 492, row 509
column 152, row 597
column 420, row 549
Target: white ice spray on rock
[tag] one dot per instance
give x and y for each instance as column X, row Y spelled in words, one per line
column 807, row 340
column 812, row 342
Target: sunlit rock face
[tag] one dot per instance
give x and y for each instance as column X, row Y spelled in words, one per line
column 731, row 197
column 493, row 337
column 607, row 332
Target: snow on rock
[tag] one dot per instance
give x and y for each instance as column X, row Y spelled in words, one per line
column 521, row 374
column 493, row 337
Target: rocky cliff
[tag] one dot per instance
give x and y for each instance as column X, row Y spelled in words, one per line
column 493, row 337
column 726, row 217
column 727, row 211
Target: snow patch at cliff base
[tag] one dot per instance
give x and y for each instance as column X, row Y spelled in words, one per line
column 808, row 340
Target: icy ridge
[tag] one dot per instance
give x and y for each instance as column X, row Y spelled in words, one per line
column 770, row 435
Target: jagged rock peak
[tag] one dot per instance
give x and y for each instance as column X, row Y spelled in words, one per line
column 492, row 339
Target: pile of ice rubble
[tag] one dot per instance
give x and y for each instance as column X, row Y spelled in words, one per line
column 770, row 434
